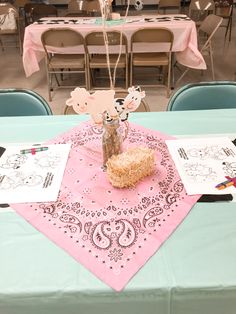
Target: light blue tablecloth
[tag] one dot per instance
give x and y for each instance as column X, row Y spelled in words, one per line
column 194, row 272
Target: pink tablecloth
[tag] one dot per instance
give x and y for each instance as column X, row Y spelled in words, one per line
column 112, row 232
column 185, row 40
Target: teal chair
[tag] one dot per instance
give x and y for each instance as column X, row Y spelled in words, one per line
column 204, row 95
column 22, row 102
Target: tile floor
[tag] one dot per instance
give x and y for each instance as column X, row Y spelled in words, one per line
column 12, row 74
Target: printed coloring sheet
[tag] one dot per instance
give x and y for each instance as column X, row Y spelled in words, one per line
column 204, row 163
column 32, row 173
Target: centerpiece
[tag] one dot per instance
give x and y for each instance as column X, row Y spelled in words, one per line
column 111, row 114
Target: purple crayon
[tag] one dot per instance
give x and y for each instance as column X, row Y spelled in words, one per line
column 223, row 185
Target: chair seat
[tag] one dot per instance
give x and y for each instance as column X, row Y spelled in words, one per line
column 67, row 61
column 101, row 61
column 150, row 59
column 8, row 31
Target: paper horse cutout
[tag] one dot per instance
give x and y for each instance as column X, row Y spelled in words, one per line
column 95, row 104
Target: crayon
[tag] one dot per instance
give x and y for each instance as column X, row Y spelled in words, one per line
column 229, row 182
column 33, row 150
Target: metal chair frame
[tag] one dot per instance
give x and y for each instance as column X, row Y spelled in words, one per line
column 99, row 60
column 156, row 58
column 63, row 62
column 200, row 9
column 224, row 9
column 4, row 9
column 208, row 27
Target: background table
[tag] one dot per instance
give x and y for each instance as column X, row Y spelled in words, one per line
column 193, row 272
column 185, row 39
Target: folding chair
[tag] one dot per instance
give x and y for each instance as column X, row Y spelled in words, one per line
column 7, row 33
column 152, row 47
column 76, row 8
column 42, row 10
column 97, row 57
column 204, row 95
column 207, row 28
column 200, row 9
column 224, row 9
column 22, row 102
column 169, row 5
column 92, row 7
column 65, row 54
column 28, row 7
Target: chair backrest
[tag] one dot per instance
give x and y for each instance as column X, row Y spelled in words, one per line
column 114, row 38
column 143, row 107
column 43, row 10
column 76, row 8
column 92, row 7
column 13, row 28
column 199, row 9
column 61, row 38
column 28, row 7
column 74, row 5
column 224, row 8
column 145, row 38
column 20, row 3
column 28, row 10
column 164, row 5
column 204, row 95
column 4, row 9
column 22, row 102
column 209, row 26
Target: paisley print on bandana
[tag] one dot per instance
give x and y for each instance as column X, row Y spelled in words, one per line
column 112, row 232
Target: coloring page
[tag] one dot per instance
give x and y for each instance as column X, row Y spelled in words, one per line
column 31, row 173
column 205, row 165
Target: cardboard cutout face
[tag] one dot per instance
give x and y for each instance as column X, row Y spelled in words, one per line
column 102, row 103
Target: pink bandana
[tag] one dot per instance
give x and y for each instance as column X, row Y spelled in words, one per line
column 113, row 232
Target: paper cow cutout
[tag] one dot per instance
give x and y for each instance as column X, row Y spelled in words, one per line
column 128, row 104
column 102, row 102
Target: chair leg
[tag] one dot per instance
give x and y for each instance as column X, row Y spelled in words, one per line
column 126, row 77
column 1, row 44
column 49, row 80
column 169, row 79
column 89, row 79
column 230, row 28
column 86, row 78
column 92, row 78
column 131, row 72
column 181, row 77
column 19, row 36
column 212, row 64
column 86, row 75
column 55, row 75
column 20, row 45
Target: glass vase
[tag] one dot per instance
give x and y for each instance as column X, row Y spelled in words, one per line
column 111, row 139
